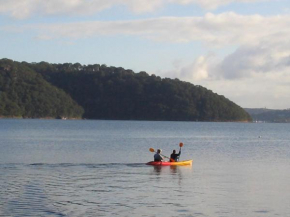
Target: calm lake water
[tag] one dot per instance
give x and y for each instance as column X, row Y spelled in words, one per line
column 97, row 168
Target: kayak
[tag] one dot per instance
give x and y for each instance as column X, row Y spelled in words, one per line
column 165, row 163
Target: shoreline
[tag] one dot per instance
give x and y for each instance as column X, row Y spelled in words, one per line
column 52, row 118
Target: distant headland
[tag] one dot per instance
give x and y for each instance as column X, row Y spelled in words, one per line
column 269, row 115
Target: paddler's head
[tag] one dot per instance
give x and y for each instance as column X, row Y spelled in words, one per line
column 174, row 151
column 159, row 151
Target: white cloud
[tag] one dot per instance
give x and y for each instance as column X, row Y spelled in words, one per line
column 263, row 58
column 255, row 89
column 213, row 4
column 252, row 76
column 246, row 62
column 261, row 91
column 18, row 9
column 198, row 70
column 263, row 42
column 215, row 30
column 24, row 8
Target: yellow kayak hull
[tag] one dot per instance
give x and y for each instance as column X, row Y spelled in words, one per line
column 164, row 163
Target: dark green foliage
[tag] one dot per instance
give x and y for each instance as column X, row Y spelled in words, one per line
column 115, row 93
column 24, row 93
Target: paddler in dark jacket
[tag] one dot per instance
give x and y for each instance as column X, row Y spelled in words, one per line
column 157, row 156
column 174, row 157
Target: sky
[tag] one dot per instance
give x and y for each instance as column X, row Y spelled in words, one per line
column 236, row 48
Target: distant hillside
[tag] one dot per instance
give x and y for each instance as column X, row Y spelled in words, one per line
column 118, row 94
column 269, row 115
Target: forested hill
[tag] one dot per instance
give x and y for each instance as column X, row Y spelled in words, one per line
column 112, row 93
column 24, row 93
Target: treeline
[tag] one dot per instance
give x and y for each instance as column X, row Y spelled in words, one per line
column 113, row 93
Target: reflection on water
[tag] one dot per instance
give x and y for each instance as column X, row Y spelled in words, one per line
column 173, row 170
column 157, row 169
column 176, row 173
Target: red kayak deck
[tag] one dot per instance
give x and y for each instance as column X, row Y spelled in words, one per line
column 165, row 163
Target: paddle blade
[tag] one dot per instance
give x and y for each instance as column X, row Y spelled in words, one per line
column 151, row 149
column 180, row 144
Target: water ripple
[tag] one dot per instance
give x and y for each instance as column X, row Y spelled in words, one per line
column 75, row 189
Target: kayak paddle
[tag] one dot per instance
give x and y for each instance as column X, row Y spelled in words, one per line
column 180, row 145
